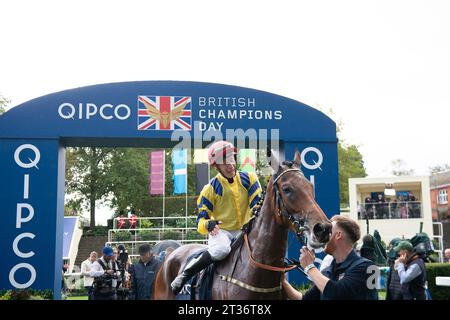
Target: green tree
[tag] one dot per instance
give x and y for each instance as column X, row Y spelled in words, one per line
column 351, row 165
column 128, row 178
column 3, row 104
column 399, row 168
column 350, row 160
column 87, row 176
column 439, row 168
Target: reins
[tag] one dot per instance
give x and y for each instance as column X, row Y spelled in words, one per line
column 265, row 266
column 281, row 212
column 297, row 223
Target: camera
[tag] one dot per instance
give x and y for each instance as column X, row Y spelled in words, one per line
column 122, row 260
column 104, row 282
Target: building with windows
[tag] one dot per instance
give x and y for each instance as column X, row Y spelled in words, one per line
column 440, row 189
column 395, row 206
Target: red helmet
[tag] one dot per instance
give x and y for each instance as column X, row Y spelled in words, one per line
column 220, row 150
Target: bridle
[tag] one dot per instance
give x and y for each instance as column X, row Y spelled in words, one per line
column 282, row 211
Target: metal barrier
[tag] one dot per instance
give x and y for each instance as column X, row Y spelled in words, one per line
column 390, row 210
column 440, row 239
column 140, row 220
column 133, row 246
column 160, row 232
column 133, row 237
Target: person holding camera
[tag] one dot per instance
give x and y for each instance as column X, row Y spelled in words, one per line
column 105, row 273
column 123, row 263
column 143, row 274
column 411, row 271
column 393, row 286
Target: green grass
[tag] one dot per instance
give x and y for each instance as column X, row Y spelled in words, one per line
column 77, row 298
column 381, row 296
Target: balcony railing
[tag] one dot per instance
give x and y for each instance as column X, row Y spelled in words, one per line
column 390, row 210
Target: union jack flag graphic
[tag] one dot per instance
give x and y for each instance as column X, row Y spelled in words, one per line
column 164, row 113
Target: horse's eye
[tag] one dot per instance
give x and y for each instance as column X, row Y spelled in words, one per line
column 287, row 189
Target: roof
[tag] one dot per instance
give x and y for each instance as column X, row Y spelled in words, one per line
column 110, row 114
column 439, row 180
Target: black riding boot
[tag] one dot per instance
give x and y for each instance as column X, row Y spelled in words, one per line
column 194, row 266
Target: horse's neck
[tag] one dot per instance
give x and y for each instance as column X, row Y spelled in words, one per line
column 268, row 239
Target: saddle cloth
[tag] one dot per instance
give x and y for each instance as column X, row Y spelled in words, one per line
column 199, row 287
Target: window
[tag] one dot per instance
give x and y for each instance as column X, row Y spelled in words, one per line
column 443, row 197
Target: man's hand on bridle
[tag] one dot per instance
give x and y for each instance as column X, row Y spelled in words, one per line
column 306, row 257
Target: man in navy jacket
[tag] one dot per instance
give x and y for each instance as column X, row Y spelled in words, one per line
column 349, row 277
column 143, row 274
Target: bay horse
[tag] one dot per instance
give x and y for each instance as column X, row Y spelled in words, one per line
column 254, row 269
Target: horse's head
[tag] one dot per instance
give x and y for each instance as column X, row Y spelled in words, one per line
column 296, row 206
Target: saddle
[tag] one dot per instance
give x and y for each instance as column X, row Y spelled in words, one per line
column 199, row 287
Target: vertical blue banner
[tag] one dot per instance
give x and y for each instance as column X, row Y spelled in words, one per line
column 32, row 213
column 70, row 224
column 179, row 162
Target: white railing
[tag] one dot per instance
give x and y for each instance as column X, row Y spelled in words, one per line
column 158, row 231
column 390, row 210
column 133, row 246
column 440, row 238
column 139, row 220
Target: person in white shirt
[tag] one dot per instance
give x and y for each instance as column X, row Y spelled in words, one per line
column 85, row 269
column 105, row 273
column 326, row 262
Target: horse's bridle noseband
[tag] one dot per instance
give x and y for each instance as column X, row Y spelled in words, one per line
column 282, row 211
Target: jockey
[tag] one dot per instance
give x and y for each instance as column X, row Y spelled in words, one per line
column 224, row 206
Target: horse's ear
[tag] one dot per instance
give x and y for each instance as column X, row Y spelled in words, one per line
column 297, row 158
column 275, row 160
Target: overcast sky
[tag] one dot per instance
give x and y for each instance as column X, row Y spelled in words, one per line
column 382, row 66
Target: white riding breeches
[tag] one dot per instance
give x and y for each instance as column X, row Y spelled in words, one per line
column 219, row 245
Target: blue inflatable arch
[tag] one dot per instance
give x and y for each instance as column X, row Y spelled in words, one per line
column 33, row 137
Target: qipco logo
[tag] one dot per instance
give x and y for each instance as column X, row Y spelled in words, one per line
column 312, row 159
column 26, row 156
column 87, row 111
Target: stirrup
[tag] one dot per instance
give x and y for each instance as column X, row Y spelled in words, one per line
column 178, row 283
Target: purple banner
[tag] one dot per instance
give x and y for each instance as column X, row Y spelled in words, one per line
column 156, row 183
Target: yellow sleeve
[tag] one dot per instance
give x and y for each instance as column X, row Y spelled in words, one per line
column 205, row 206
column 254, row 192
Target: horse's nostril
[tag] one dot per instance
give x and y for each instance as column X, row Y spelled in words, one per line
column 318, row 229
column 322, row 231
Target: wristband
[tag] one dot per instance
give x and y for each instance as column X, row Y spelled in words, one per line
column 309, row 267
